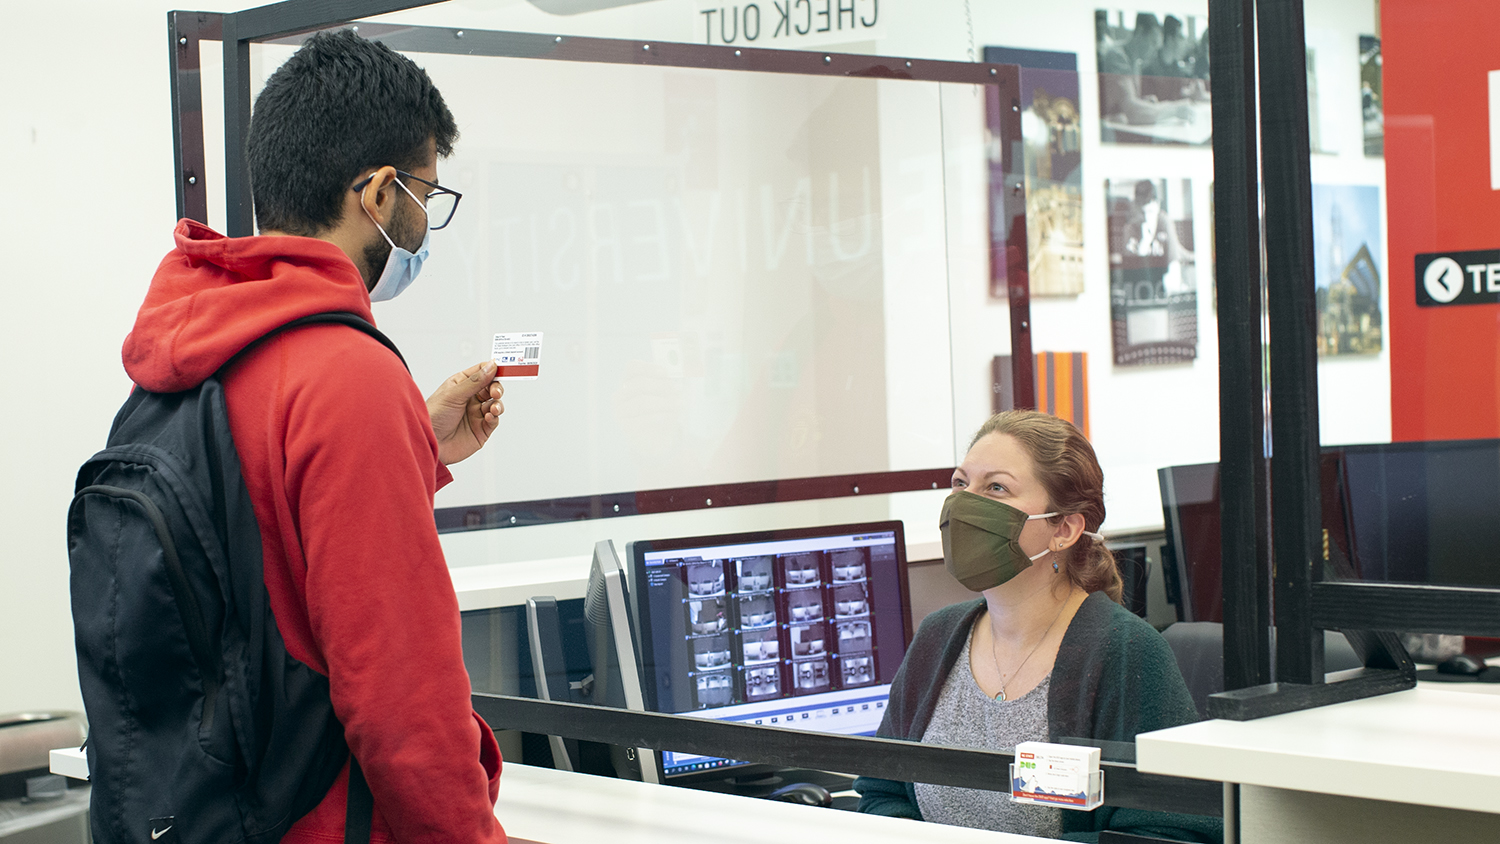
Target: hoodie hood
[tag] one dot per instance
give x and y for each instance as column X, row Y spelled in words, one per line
column 213, row 295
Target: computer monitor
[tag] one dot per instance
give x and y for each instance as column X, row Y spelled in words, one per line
column 802, row 628
column 1416, row 512
column 610, row 638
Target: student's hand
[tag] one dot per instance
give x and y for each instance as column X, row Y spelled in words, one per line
column 465, row 410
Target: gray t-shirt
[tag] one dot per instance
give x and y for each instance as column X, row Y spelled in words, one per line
column 967, row 717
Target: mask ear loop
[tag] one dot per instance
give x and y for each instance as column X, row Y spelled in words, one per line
column 378, row 226
column 372, row 216
column 1055, row 568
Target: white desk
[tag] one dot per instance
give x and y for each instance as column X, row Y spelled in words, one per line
column 63, row 819
column 558, row 807
column 1419, row 765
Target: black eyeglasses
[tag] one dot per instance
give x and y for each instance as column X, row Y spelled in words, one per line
column 441, row 203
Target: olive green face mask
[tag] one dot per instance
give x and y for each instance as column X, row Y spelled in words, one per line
column 981, row 540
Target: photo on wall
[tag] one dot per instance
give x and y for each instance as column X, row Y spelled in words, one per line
column 1153, row 78
column 1152, row 274
column 1347, row 268
column 1051, row 130
column 1371, row 105
column 1328, row 76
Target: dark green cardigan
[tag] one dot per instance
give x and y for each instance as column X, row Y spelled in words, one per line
column 1114, row 677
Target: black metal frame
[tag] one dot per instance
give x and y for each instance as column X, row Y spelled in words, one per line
column 184, row 32
column 1304, row 604
column 1242, row 467
column 903, row 761
column 292, row 21
column 714, row 497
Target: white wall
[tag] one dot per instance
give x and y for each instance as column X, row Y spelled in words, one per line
column 85, row 136
column 84, row 132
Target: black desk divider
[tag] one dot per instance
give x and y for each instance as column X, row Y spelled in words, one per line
column 877, row 757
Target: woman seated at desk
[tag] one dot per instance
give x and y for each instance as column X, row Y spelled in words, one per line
column 1046, row 653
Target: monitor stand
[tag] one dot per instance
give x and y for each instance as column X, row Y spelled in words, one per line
column 761, row 784
column 766, row 779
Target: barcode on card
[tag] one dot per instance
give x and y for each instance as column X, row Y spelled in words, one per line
column 532, row 353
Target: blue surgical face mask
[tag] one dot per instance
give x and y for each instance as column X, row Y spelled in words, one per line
column 401, row 266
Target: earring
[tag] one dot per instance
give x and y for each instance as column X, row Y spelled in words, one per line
column 1054, row 566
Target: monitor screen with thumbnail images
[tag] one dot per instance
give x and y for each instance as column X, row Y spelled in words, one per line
column 803, row 628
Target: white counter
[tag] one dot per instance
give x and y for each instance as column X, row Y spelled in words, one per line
column 1418, row 765
column 558, row 807
column 1427, row 746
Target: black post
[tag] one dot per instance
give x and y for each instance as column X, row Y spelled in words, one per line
column 1296, row 516
column 1237, row 273
column 184, row 31
column 1017, row 261
column 239, row 221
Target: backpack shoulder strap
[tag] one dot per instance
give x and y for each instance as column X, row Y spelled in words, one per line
column 359, row 808
column 340, row 317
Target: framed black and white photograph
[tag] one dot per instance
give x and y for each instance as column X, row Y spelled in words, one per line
column 1152, row 273
column 1372, row 109
column 1153, row 78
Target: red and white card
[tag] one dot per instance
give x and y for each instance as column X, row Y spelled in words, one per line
column 518, row 355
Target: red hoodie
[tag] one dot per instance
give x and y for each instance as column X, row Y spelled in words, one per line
column 341, row 463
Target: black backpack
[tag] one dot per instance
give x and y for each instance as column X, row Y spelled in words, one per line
column 201, row 727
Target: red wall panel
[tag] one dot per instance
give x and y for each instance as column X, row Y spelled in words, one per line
column 1444, row 360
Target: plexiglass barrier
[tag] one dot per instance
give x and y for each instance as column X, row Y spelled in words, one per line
column 740, row 276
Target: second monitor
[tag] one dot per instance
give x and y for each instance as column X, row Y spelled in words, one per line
column 803, row 628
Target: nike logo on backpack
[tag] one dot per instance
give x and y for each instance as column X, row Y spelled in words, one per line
column 155, row 835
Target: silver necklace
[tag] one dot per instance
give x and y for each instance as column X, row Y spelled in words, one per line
column 1000, row 695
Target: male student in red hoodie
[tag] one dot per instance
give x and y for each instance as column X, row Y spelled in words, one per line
column 340, row 452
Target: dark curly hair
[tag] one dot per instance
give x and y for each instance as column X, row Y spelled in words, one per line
column 340, row 105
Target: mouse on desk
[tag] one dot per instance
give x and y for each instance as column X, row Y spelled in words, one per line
column 806, row 793
column 1461, row 664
